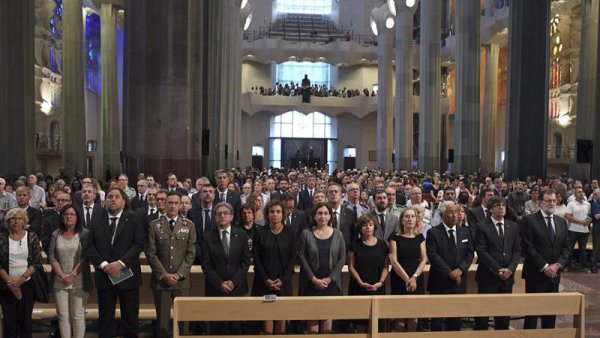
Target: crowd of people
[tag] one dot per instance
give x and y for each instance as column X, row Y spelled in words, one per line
column 322, row 90
column 377, row 223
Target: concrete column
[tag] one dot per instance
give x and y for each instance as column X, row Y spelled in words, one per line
column 527, row 116
column 17, row 88
column 466, row 135
column 587, row 83
column 403, row 110
column 73, row 131
column 109, row 145
column 490, row 109
column 430, row 73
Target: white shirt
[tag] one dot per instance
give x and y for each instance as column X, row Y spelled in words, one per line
column 448, row 233
column 579, row 211
column 17, row 260
column 495, row 221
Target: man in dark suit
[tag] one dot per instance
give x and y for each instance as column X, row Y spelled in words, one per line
column 113, row 247
column 498, row 247
column 149, row 213
column 34, row 215
column 498, row 191
column 78, row 199
column 450, row 252
column 479, row 213
column 52, row 219
column 225, row 195
column 305, row 199
column 546, row 250
column 343, row 219
column 204, row 217
column 141, row 198
column 172, row 184
column 89, row 210
column 225, row 261
column 297, row 219
column 271, row 194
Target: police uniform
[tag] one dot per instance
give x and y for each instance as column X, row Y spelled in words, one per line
column 170, row 252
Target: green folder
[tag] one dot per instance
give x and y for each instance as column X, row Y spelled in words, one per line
column 125, row 274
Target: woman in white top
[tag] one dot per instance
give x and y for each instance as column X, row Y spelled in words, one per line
column 19, row 255
column 73, row 280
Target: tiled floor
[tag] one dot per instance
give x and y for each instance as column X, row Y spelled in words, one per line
column 588, row 284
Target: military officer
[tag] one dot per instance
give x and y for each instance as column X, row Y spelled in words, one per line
column 170, row 253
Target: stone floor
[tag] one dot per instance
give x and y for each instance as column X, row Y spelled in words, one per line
column 588, row 284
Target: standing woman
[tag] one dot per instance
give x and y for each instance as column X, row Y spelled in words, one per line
column 274, row 257
column 322, row 254
column 255, row 200
column 408, row 257
column 73, row 281
column 19, row 255
column 248, row 225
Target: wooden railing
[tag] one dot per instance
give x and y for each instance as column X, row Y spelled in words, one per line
column 384, row 307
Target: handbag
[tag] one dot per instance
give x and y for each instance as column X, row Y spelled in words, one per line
column 40, row 285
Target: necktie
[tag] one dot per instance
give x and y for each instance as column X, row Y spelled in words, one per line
column 223, row 197
column 550, row 229
column 113, row 227
column 310, row 194
column 152, row 211
column 355, row 209
column 172, row 224
column 452, row 242
column 289, row 220
column 382, row 223
column 334, row 221
column 88, row 216
column 225, row 241
column 500, row 231
column 484, row 214
column 206, row 218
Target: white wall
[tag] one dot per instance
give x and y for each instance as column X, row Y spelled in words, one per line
column 255, row 131
column 256, row 74
column 357, row 77
column 354, row 15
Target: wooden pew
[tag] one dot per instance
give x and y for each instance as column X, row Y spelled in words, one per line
column 382, row 307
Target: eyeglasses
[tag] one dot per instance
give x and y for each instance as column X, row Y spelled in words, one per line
column 223, row 213
column 14, row 219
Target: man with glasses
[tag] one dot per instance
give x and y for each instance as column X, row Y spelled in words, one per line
column 140, row 199
column 498, row 247
column 353, row 196
column 546, row 250
column 52, row 220
column 225, row 261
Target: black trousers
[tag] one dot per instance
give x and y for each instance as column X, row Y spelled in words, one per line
column 17, row 312
column 502, row 322
column 129, row 301
column 540, row 286
column 449, row 323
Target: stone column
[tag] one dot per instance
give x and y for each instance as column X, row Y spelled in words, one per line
column 73, row 131
column 17, row 88
column 403, row 110
column 527, row 117
column 466, row 128
column 109, row 145
column 587, row 83
column 430, row 73
column 490, row 109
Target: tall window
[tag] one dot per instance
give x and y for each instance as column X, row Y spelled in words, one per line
column 291, row 71
column 304, row 6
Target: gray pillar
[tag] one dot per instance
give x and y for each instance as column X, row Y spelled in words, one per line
column 384, row 96
column 596, row 109
column 490, row 109
column 73, row 130
column 403, row 110
column 466, row 128
column 430, row 72
column 586, row 81
column 159, row 135
column 17, row 99
column 109, row 145
column 527, row 116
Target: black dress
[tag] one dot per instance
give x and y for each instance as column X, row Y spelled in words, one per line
column 368, row 262
column 323, row 271
column 274, row 258
column 408, row 254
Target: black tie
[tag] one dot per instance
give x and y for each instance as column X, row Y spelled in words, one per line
column 172, row 224
column 334, row 222
column 223, row 197
column 355, row 209
column 206, row 219
column 382, row 223
column 113, row 226
column 550, row 229
column 500, row 232
column 289, row 221
column 152, row 211
column 88, row 217
column 310, row 194
column 452, row 243
column 225, row 241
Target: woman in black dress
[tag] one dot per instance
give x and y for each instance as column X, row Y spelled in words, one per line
column 274, row 249
column 248, row 225
column 408, row 258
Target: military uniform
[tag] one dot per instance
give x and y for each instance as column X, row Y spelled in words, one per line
column 170, row 252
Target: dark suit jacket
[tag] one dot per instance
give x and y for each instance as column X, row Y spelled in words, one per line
column 78, row 201
column 49, row 224
column 218, row 267
column 275, row 196
column 442, row 262
column 299, row 222
column 305, row 202
column 35, row 220
column 493, row 254
column 347, row 225
column 145, row 219
column 538, row 249
column 180, row 191
column 475, row 215
column 196, row 215
column 137, row 203
column 97, row 212
column 129, row 242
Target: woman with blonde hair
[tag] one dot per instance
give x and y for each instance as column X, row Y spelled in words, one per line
column 255, row 200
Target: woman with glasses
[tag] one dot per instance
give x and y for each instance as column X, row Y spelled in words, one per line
column 19, row 255
column 73, row 281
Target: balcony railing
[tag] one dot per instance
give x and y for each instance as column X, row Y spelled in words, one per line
column 48, row 145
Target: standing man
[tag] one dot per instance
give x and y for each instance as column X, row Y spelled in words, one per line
column 37, row 193
column 595, row 207
column 171, row 252
column 123, row 184
column 343, row 219
column 498, row 246
column 113, row 247
column 52, row 219
column 225, row 261
column 296, row 219
column 140, row 199
column 578, row 215
column 546, row 250
column 305, row 202
column 450, row 252
column 353, row 191
column 225, row 195
column 89, row 210
column 516, row 200
column 34, row 215
column 173, row 185
column 7, row 201
column 387, row 220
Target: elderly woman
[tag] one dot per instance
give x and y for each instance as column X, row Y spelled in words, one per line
column 19, row 255
column 73, row 281
column 274, row 258
column 322, row 254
